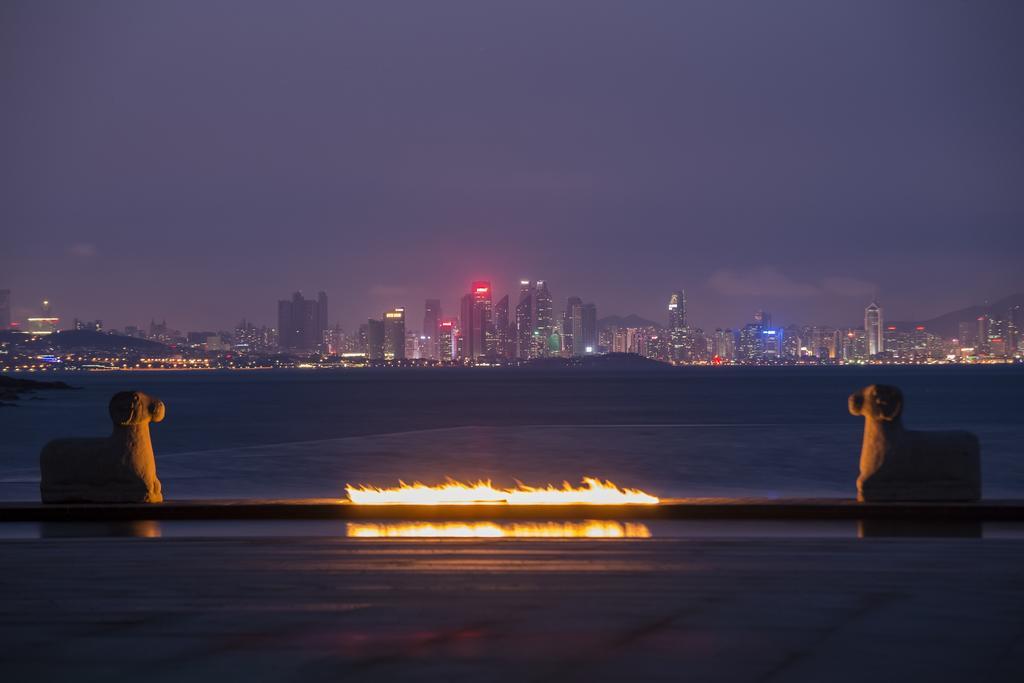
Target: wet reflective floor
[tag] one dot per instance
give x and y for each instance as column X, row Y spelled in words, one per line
column 166, row 602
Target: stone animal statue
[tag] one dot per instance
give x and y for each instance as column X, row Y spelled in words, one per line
column 898, row 464
column 117, row 469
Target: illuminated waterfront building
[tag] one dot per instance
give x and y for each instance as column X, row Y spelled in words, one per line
column 853, row 345
column 412, row 344
column 770, row 344
column 333, row 342
column 620, row 343
column 394, row 334
column 585, row 339
column 446, row 337
column 965, row 334
column 44, row 324
column 997, row 337
column 724, row 344
column 792, row 343
column 431, row 321
column 626, row 340
column 636, row 340
column 874, row 330
column 250, row 339
column 897, row 344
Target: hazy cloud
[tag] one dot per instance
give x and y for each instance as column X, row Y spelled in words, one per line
column 760, row 282
column 770, row 282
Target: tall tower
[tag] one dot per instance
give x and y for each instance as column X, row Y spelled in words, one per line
column 525, row 314
column 677, row 325
column 544, row 316
column 431, row 323
column 586, row 341
column 301, row 322
column 466, row 326
column 394, row 334
column 375, row 339
column 874, row 330
column 483, row 321
column 446, row 333
column 571, row 324
column 503, row 329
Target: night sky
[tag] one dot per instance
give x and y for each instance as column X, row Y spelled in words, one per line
column 197, row 161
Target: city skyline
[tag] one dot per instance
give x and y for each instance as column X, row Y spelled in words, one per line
column 817, row 158
column 526, row 329
column 664, row 315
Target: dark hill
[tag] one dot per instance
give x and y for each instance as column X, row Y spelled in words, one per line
column 947, row 325
column 90, row 339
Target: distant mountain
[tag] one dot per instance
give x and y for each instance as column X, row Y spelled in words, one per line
column 73, row 339
column 631, row 320
column 948, row 324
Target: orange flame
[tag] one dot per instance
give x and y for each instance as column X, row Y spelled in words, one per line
column 587, row 529
column 592, row 492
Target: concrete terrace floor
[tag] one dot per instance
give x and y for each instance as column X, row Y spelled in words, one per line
column 693, row 609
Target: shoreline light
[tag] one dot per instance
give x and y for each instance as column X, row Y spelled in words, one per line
column 592, row 492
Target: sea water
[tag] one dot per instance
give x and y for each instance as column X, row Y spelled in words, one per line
column 675, row 432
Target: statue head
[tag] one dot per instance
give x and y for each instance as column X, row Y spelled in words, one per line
column 877, row 402
column 134, row 407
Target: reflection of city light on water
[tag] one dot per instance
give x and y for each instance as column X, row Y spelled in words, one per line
column 585, row 529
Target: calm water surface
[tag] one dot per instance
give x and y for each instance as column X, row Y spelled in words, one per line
column 682, row 432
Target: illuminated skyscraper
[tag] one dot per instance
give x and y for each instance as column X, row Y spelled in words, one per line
column 476, row 324
column 1013, row 323
column 446, row 335
column 677, row 331
column 724, row 344
column 431, row 320
column 571, row 319
column 874, row 329
column 544, row 317
column 394, row 334
column 524, row 320
column 984, row 328
column 585, row 342
column 504, row 330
